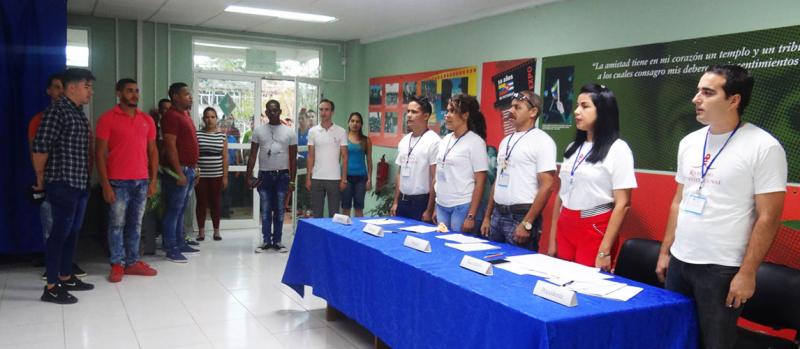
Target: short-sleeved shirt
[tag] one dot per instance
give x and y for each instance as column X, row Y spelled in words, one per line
column 211, row 146
column 529, row 153
column 179, row 124
column 273, row 146
column 456, row 163
column 64, row 135
column 752, row 163
column 593, row 184
column 327, row 151
column 127, row 138
column 33, row 125
column 417, row 154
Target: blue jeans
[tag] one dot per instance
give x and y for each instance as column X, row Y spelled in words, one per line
column 708, row 284
column 68, row 206
column 272, row 192
column 453, row 217
column 353, row 195
column 125, row 220
column 504, row 224
column 176, row 197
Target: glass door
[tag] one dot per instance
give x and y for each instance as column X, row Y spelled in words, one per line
column 308, row 96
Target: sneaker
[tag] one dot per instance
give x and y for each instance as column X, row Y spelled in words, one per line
column 77, row 271
column 116, row 273
column 140, row 268
column 191, row 242
column 44, row 275
column 263, row 248
column 75, row 284
column 58, row 295
column 189, row 250
column 177, row 257
column 279, row 247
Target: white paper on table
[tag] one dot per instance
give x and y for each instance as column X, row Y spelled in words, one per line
column 460, row 238
column 381, row 221
column 595, row 287
column 515, row 268
column 472, row 247
column 557, row 268
column 419, row 229
column 624, row 294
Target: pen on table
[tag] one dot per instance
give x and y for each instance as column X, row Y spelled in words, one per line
column 493, row 255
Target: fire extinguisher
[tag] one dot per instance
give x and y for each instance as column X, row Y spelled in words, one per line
column 383, row 174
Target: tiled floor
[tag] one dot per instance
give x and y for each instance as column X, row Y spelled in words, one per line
column 225, row 297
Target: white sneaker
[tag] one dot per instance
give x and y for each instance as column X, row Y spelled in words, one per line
column 263, row 248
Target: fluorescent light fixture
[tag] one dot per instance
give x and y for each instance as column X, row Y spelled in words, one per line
column 208, row 44
column 294, row 16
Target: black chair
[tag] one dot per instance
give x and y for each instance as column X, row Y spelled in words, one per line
column 776, row 304
column 637, row 261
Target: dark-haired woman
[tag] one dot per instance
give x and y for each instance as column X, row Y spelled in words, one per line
column 596, row 181
column 461, row 165
column 359, row 166
column 213, row 164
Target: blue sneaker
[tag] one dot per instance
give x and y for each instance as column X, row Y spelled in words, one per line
column 176, row 257
column 186, row 249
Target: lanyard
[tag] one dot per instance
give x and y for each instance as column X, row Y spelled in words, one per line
column 703, row 168
column 447, row 150
column 578, row 161
column 510, row 150
column 411, row 147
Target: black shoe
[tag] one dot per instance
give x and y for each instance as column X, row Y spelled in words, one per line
column 44, row 275
column 279, row 247
column 58, row 295
column 77, row 271
column 75, row 284
column 192, row 243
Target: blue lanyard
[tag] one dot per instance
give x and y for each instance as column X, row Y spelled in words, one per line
column 703, row 168
column 447, row 150
column 411, row 148
column 578, row 160
column 511, row 149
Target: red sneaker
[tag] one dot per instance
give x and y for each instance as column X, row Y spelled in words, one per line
column 140, row 268
column 116, row 273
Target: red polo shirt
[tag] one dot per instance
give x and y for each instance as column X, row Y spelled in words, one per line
column 180, row 125
column 127, row 139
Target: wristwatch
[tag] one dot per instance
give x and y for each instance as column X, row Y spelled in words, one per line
column 603, row 254
column 527, row 225
column 471, row 217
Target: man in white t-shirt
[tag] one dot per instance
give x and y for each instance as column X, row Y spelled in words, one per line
column 726, row 210
column 526, row 165
column 416, row 159
column 327, row 161
column 277, row 165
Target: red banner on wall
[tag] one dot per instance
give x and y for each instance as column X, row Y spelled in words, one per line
column 499, row 82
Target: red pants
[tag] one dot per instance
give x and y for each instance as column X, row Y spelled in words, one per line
column 209, row 192
column 578, row 239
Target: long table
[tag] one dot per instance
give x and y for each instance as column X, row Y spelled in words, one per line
column 411, row 299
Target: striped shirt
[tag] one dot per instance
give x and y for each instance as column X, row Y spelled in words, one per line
column 211, row 146
column 64, row 136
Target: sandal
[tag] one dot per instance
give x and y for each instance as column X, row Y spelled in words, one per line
column 200, row 237
column 217, row 237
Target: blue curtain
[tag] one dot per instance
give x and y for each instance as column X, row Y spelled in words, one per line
column 33, row 38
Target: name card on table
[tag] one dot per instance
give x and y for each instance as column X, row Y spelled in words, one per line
column 555, row 293
column 342, row 219
column 417, row 244
column 477, row 265
column 374, row 230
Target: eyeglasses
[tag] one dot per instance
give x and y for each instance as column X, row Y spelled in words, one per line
column 522, row 97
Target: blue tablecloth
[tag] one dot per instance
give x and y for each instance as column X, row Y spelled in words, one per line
column 412, row 299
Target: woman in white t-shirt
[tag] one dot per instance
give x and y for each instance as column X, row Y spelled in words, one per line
column 461, row 165
column 596, row 177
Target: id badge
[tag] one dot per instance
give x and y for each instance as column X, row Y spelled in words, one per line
column 441, row 176
column 695, row 203
column 405, row 170
column 503, row 179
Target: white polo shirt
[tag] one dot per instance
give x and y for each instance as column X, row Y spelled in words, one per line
column 752, row 163
column 273, row 146
column 415, row 155
column 327, row 151
column 594, row 184
column 456, row 163
column 529, row 153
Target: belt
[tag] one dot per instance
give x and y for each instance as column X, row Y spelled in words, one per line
column 597, row 210
column 419, row 197
column 274, row 172
column 509, row 209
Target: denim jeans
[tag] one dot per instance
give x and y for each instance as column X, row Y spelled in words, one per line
column 176, row 198
column 68, row 206
column 353, row 195
column 504, row 224
column 46, row 216
column 125, row 220
column 272, row 191
column 708, row 284
column 453, row 217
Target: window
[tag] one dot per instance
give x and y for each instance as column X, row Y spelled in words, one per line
column 214, row 55
column 77, row 47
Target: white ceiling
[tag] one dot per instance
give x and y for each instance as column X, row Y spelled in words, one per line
column 366, row 20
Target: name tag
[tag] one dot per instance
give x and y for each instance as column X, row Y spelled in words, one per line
column 418, row 244
column 405, row 170
column 503, row 179
column 695, row 203
column 342, row 219
column 555, row 293
column 479, row 266
column 441, row 176
column 373, row 230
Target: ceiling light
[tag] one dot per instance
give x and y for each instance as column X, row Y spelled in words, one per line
column 208, row 44
column 294, row 16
